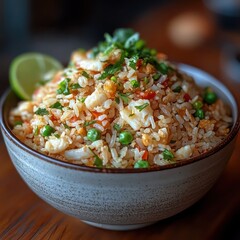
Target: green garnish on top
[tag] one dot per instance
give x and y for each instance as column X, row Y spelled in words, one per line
column 42, row 111
column 64, row 87
column 132, row 47
column 57, row 105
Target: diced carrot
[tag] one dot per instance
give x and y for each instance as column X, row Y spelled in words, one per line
column 96, row 114
column 147, row 94
column 145, row 155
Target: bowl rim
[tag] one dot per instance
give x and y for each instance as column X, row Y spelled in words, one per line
column 233, row 133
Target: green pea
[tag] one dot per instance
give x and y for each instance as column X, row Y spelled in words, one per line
column 47, row 131
column 200, row 114
column 197, row 105
column 93, row 134
column 210, row 97
column 135, row 83
column 167, row 155
column 114, row 79
column 125, row 138
column 141, row 164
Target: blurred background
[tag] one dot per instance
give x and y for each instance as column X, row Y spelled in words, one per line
column 195, row 32
column 202, row 33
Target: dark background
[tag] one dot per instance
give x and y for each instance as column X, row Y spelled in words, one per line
column 57, row 27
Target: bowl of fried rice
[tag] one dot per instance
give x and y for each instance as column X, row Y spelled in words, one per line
column 122, row 138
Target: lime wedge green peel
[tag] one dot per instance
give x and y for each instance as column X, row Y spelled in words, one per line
column 29, row 69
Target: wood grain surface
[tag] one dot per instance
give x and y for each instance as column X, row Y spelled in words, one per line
column 25, row 216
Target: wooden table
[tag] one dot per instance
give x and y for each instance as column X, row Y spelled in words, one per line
column 24, row 216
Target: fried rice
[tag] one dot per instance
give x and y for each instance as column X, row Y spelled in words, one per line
column 121, row 105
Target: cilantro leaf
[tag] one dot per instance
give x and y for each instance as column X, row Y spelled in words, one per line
column 112, row 68
column 64, row 87
column 133, row 61
column 75, row 86
column 88, row 123
column 141, row 107
column 56, row 105
column 124, row 97
column 117, row 127
column 42, row 111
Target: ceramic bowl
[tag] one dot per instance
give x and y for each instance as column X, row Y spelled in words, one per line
column 121, row 199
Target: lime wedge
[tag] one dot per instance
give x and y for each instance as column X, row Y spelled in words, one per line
column 29, row 69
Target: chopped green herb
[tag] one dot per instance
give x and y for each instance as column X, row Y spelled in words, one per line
column 133, row 62
column 140, row 44
column 63, row 87
column 117, row 100
column 75, row 86
column 135, row 83
column 98, row 162
column 141, row 107
column 109, row 49
column 131, row 115
column 156, row 76
column 117, row 127
column 141, row 164
column 112, row 68
column 56, row 105
column 36, row 131
column 124, row 97
column 85, row 74
column 167, row 155
column 82, row 100
column 88, row 123
column 131, row 41
column 146, row 81
column 42, row 111
column 18, row 123
column 66, row 126
column 177, row 89
column 47, row 131
column 57, row 135
column 163, row 68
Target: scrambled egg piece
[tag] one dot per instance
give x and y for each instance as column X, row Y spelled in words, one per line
column 135, row 116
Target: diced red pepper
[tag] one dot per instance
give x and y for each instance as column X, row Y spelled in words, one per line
column 53, row 118
column 186, row 97
column 139, row 63
column 149, row 94
column 166, row 83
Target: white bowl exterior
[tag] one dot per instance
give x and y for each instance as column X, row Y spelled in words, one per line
column 119, row 198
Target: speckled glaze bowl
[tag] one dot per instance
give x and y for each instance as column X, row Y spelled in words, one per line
column 121, row 199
